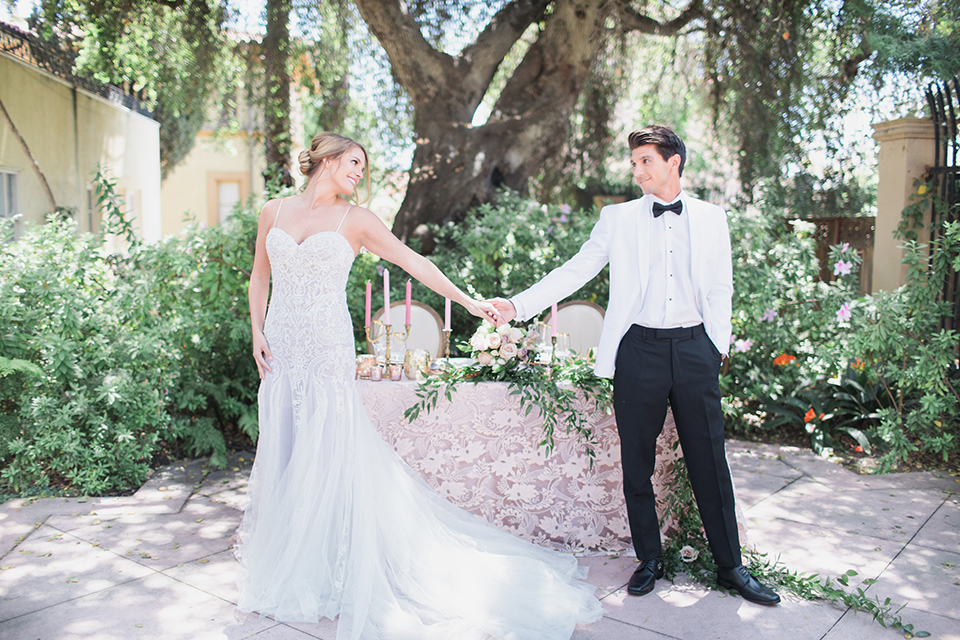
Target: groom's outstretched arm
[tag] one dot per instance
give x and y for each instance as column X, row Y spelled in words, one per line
column 571, row 275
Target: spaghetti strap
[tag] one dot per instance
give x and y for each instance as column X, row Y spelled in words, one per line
column 280, row 206
column 343, row 218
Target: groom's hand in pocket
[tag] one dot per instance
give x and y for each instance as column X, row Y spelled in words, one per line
column 505, row 309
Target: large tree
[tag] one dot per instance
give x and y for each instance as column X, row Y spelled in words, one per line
column 757, row 55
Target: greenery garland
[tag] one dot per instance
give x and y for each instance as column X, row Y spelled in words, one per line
column 552, row 391
column 547, row 389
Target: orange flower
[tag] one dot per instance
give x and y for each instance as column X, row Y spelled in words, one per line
column 784, row 359
column 858, row 365
column 810, row 415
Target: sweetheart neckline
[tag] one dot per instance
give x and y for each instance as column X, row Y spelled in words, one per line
column 302, row 242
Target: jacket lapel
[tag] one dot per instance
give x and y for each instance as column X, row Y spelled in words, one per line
column 642, row 216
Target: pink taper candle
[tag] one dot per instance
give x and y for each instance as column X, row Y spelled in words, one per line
column 446, row 314
column 366, row 321
column 409, row 285
column 386, row 297
column 553, row 319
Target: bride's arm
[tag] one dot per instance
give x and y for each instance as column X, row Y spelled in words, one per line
column 374, row 235
column 260, row 289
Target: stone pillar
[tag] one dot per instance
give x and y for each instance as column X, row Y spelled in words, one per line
column 907, row 149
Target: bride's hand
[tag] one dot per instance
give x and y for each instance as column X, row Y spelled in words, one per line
column 484, row 310
column 261, row 353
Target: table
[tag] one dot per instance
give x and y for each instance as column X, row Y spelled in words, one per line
column 482, row 453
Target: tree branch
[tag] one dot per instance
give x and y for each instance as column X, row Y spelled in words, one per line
column 632, row 20
column 496, row 40
column 420, row 69
column 33, row 161
column 549, row 79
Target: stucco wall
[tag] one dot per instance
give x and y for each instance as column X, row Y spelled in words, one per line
column 69, row 132
column 190, row 191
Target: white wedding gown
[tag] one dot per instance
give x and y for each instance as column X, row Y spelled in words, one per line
column 337, row 524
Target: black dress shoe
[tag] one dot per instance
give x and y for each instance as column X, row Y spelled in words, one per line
column 740, row 580
column 643, row 579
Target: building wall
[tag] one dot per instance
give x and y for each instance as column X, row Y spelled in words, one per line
column 69, row 132
column 193, row 191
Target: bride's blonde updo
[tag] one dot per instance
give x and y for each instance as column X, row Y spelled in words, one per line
column 331, row 146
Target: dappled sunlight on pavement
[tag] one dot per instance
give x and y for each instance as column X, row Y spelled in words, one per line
column 159, row 564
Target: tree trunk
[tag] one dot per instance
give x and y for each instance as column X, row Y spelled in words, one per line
column 276, row 54
column 457, row 166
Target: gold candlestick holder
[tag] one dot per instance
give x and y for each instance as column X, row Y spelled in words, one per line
column 553, row 350
column 388, row 333
column 446, row 345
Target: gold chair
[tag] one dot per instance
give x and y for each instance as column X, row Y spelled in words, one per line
column 426, row 327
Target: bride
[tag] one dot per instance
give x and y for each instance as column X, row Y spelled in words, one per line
column 336, row 524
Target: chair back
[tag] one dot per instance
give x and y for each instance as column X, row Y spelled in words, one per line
column 583, row 321
column 426, row 327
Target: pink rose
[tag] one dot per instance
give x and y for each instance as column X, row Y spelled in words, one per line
column 688, row 553
column 508, row 351
column 484, row 358
column 516, row 335
column 494, row 341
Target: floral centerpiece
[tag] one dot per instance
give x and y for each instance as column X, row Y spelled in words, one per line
column 499, row 346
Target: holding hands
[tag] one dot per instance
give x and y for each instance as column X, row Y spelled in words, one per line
column 485, row 309
column 504, row 309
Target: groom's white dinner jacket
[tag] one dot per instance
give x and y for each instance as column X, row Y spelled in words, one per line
column 620, row 237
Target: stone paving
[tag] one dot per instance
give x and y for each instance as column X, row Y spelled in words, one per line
column 159, row 564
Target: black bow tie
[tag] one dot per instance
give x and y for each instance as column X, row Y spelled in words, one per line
column 658, row 208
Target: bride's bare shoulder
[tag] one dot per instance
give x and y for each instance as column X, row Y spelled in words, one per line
column 364, row 216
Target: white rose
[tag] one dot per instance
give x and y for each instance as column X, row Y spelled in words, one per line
column 508, row 351
column 484, row 358
column 504, row 330
column 478, row 342
column 688, row 553
column 494, row 341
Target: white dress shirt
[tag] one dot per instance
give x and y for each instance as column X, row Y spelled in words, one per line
column 669, row 300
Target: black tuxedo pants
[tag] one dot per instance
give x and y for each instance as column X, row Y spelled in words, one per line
column 681, row 366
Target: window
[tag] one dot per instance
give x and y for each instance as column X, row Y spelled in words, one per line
column 228, row 195
column 8, row 193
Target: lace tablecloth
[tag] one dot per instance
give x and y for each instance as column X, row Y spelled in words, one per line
column 482, row 453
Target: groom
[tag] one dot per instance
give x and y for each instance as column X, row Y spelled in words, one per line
column 666, row 327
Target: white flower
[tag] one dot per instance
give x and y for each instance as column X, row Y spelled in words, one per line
column 688, row 553
column 508, row 351
column 515, row 334
column 532, row 336
column 494, row 341
column 484, row 358
column 478, row 342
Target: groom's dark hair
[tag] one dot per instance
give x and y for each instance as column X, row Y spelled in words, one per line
column 667, row 142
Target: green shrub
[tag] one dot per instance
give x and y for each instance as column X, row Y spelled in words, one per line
column 911, row 357
column 503, row 247
column 143, row 352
